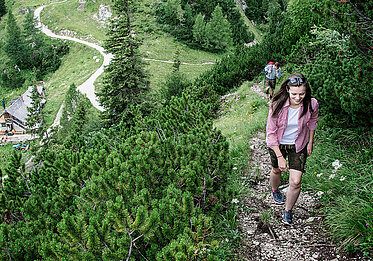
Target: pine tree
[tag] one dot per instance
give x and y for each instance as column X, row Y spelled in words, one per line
column 175, row 82
column 29, row 28
column 174, row 14
column 15, row 44
column 218, row 30
column 199, row 29
column 34, row 115
column 126, row 82
column 16, row 186
column 2, row 8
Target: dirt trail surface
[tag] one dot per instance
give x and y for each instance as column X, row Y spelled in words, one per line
column 87, row 87
column 265, row 237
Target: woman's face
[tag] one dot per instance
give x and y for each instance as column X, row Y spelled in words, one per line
column 296, row 94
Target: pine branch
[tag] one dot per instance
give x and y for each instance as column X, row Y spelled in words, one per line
column 28, row 188
column 165, row 138
column 131, row 244
column 140, row 252
column 215, row 142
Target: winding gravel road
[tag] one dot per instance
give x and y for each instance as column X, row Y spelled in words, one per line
column 87, row 87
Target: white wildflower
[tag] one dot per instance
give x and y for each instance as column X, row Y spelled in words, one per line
column 319, row 194
column 332, row 176
column 342, row 178
column 319, row 175
column 234, row 168
column 336, row 164
column 226, row 240
column 235, row 201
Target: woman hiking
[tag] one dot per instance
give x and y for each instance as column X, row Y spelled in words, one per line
column 291, row 126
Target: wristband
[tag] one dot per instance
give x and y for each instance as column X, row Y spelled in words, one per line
column 279, row 156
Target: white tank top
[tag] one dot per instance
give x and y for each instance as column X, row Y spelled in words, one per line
column 291, row 132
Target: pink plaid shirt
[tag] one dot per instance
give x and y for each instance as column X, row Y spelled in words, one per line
column 276, row 126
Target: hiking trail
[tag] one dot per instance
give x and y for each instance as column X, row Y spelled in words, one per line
column 265, row 237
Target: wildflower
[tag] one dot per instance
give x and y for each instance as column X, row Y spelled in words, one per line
column 235, row 201
column 337, row 150
column 332, row 176
column 342, row 178
column 357, row 188
column 336, row 164
column 355, row 161
column 234, row 168
column 366, row 224
column 319, row 175
column 319, row 194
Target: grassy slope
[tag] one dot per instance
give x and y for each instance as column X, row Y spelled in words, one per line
column 79, row 64
column 156, row 45
column 258, row 36
column 76, row 67
column 241, row 119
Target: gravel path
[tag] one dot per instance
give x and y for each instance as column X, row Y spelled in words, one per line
column 87, row 87
column 265, row 237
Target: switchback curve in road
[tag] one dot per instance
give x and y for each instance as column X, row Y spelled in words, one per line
column 87, row 87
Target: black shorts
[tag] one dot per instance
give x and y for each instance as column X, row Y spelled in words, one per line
column 271, row 83
column 296, row 160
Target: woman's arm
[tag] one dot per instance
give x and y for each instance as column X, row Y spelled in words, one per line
column 282, row 164
column 310, row 142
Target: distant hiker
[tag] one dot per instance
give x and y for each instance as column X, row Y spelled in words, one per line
column 272, row 70
column 291, row 126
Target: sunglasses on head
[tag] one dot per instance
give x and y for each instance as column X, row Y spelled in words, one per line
column 297, row 81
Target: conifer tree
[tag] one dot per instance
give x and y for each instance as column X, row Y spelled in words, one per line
column 218, row 30
column 175, row 82
column 16, row 186
column 126, row 82
column 15, row 44
column 174, row 14
column 29, row 28
column 75, row 140
column 34, row 115
column 199, row 29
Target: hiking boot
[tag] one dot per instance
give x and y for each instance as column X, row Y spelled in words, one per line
column 277, row 197
column 288, row 217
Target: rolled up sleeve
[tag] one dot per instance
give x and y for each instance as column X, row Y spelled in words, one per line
column 312, row 123
column 271, row 130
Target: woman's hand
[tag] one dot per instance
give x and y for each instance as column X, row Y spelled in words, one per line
column 282, row 164
column 309, row 148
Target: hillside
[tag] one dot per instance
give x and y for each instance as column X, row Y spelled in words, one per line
column 175, row 166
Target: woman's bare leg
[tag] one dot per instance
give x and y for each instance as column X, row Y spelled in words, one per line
column 292, row 194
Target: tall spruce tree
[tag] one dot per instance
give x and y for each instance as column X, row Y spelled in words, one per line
column 15, row 44
column 126, row 82
column 34, row 115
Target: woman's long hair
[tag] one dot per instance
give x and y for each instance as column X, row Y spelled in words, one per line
column 282, row 95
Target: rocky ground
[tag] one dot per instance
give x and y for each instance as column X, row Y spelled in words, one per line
column 265, row 237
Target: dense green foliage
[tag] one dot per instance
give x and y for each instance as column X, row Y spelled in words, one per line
column 43, row 55
column 202, row 23
column 2, row 8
